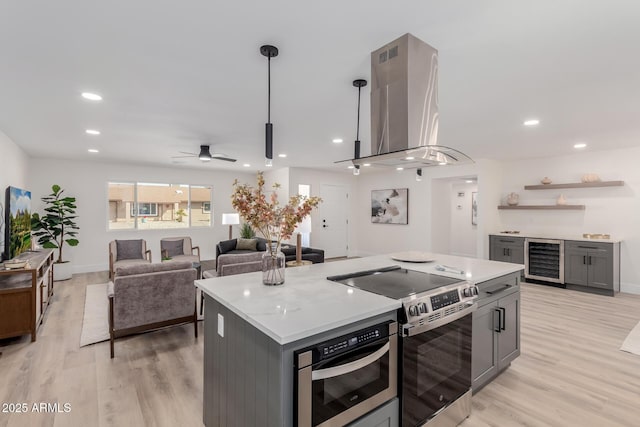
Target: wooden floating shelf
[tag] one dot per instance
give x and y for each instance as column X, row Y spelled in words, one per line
column 548, row 207
column 575, row 185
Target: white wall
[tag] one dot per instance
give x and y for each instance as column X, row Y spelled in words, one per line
column 13, row 172
column 612, row 210
column 426, row 220
column 87, row 181
column 463, row 234
column 316, row 178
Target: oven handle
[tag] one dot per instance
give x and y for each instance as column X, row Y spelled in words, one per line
column 415, row 330
column 335, row 371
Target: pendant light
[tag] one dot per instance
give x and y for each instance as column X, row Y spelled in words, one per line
column 270, row 52
column 359, row 83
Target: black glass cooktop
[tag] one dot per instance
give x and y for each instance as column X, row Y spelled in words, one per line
column 394, row 282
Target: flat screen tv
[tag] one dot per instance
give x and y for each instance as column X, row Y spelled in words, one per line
column 18, row 222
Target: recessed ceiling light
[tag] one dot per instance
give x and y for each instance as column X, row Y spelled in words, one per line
column 93, row 150
column 247, row 165
column 282, row 155
column 337, row 140
column 366, row 164
column 580, row 145
column 91, row 96
column 399, row 168
column 92, row 132
column 531, row 122
column 409, row 158
column 350, row 167
column 469, row 181
column 442, row 163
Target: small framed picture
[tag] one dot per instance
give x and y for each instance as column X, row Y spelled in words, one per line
column 390, row 206
column 474, row 208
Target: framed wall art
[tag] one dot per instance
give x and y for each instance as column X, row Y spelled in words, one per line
column 474, row 208
column 390, row 206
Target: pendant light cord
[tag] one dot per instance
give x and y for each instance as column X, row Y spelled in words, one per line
column 269, row 89
column 358, row 125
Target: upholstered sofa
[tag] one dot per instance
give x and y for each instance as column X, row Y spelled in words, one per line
column 229, row 247
column 150, row 296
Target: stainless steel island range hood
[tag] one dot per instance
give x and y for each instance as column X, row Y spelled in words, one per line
column 404, row 108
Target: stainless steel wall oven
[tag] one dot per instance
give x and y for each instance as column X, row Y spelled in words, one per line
column 344, row 378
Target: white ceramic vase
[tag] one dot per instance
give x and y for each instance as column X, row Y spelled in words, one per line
column 561, row 200
column 62, row 271
column 513, row 199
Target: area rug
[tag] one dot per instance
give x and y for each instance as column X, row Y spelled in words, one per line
column 632, row 343
column 95, row 323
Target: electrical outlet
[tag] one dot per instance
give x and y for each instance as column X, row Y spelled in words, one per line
column 221, row 325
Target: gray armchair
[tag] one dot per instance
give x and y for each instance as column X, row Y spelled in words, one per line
column 127, row 252
column 179, row 249
column 144, row 297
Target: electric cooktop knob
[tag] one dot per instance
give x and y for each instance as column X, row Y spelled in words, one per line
column 413, row 310
column 423, row 307
column 475, row 290
column 466, row 292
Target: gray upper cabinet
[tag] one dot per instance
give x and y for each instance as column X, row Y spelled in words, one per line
column 506, row 249
column 593, row 265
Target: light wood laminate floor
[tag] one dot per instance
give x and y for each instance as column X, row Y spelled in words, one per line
column 570, row 373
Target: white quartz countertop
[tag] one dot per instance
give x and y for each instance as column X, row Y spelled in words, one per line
column 308, row 304
column 577, row 238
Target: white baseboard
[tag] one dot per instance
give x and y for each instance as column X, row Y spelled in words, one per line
column 630, row 288
column 90, row 268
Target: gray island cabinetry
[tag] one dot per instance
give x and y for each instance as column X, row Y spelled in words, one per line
column 252, row 332
column 496, row 328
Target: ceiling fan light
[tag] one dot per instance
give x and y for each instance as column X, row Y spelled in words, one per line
column 205, row 154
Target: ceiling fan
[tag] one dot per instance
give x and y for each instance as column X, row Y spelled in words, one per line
column 205, row 155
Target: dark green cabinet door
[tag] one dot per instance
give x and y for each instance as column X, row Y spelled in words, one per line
column 508, row 337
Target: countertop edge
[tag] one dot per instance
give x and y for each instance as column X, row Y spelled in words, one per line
column 287, row 339
column 544, row 236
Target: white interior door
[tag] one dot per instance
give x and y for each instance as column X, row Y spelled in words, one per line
column 332, row 233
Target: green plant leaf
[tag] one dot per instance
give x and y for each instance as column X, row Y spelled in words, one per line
column 55, row 188
column 49, row 245
column 72, row 242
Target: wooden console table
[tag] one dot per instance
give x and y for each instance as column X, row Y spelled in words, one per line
column 25, row 294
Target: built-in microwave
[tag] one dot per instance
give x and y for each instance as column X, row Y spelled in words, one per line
column 342, row 379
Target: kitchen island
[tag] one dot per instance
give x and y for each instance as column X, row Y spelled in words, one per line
column 252, row 331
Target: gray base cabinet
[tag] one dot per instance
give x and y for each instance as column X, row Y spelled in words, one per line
column 506, row 249
column 592, row 266
column 496, row 333
column 249, row 378
column 386, row 415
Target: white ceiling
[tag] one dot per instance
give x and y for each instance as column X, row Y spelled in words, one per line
column 177, row 74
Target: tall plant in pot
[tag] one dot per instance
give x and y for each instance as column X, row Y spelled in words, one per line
column 57, row 227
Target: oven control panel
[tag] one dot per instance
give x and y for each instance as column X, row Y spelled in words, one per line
column 445, row 299
column 348, row 342
column 428, row 305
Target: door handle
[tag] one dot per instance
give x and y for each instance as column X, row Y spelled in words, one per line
column 503, row 316
column 584, row 259
column 508, row 252
column 496, row 328
column 321, row 374
column 589, row 260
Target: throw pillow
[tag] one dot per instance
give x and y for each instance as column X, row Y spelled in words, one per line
column 129, row 249
column 173, row 247
column 246, row 244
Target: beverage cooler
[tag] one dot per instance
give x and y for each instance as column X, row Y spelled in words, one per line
column 544, row 260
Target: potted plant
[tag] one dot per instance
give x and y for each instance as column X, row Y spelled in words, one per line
column 57, row 227
column 246, row 232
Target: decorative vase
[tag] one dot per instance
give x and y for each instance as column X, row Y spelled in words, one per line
column 590, row 177
column 513, row 199
column 561, row 200
column 273, row 264
column 546, row 180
